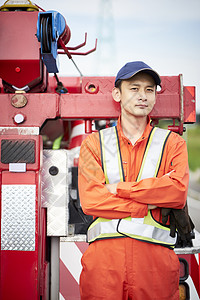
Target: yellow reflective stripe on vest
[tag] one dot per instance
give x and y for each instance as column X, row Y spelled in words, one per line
column 103, row 228
column 146, row 229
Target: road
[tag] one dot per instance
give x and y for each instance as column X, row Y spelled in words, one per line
column 194, row 212
column 194, row 204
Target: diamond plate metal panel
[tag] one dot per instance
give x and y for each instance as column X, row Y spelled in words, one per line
column 18, row 217
column 55, row 191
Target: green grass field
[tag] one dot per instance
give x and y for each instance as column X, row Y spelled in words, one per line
column 192, row 137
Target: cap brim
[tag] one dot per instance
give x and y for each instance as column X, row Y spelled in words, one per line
column 153, row 73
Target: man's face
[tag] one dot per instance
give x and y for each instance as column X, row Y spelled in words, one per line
column 137, row 95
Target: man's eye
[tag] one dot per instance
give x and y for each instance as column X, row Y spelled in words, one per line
column 134, row 89
column 150, row 90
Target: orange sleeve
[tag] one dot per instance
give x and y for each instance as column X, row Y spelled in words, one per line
column 95, row 199
column 169, row 189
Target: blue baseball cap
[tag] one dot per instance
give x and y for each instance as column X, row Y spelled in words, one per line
column 132, row 68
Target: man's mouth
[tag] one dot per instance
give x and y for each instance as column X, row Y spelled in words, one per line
column 142, row 105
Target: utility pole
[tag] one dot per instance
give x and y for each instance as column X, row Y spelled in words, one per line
column 106, row 51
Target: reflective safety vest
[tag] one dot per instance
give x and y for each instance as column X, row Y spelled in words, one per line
column 144, row 229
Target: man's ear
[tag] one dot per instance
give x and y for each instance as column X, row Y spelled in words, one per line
column 116, row 94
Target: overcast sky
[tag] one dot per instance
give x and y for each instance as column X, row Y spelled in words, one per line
column 165, row 34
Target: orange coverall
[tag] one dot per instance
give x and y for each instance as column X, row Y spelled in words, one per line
column 125, row 268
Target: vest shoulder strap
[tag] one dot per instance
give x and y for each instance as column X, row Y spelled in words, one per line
column 112, row 160
column 153, row 153
column 111, row 155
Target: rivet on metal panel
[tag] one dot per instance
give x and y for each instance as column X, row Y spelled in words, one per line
column 19, row 100
column 19, row 118
column 53, row 170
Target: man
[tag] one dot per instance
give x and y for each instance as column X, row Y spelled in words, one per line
column 130, row 254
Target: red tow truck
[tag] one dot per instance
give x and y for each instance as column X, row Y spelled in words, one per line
column 43, row 120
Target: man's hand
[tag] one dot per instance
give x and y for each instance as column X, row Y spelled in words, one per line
column 112, row 188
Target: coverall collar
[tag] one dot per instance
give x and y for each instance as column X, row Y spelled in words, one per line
column 145, row 134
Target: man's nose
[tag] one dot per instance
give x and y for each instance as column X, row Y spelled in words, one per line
column 142, row 95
